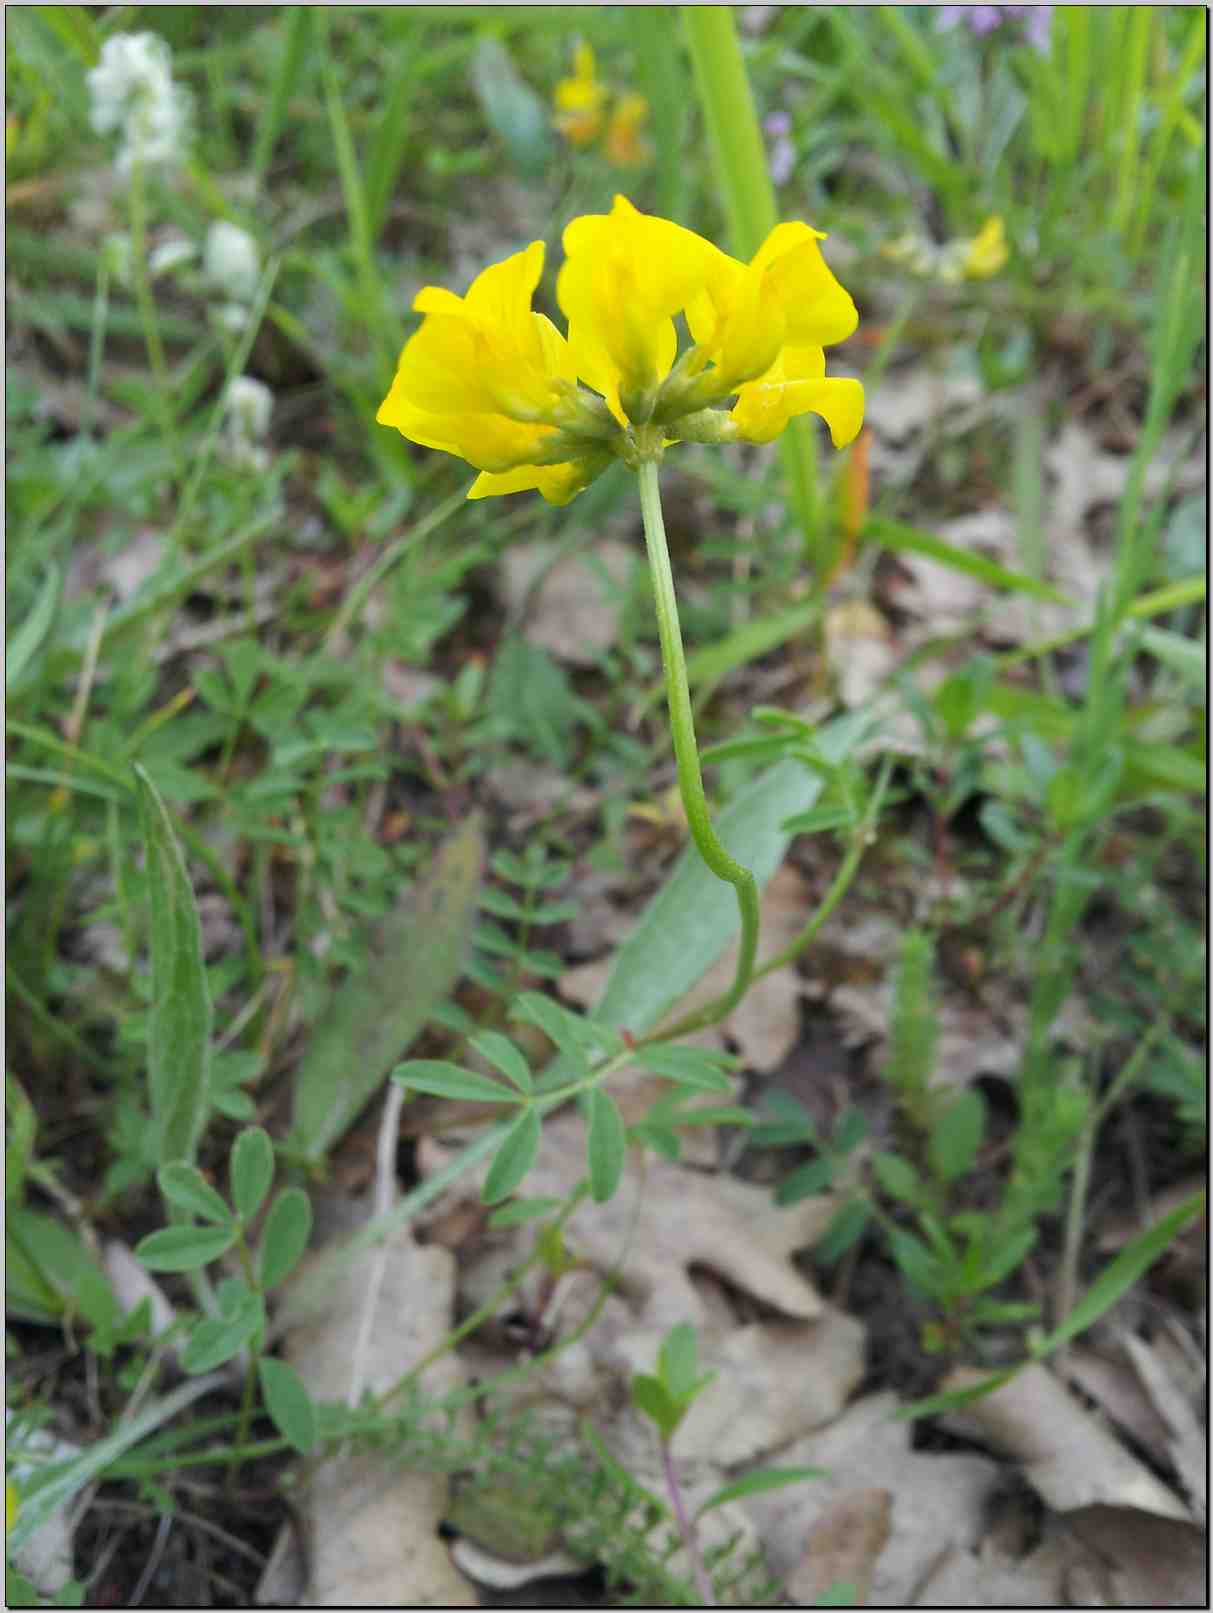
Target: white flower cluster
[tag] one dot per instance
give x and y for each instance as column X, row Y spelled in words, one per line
column 232, row 264
column 132, row 91
column 247, row 405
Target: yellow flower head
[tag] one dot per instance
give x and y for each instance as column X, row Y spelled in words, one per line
column 579, row 100
column 490, row 380
column 987, row 252
column 624, row 146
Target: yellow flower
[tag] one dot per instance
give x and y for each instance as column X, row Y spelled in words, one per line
column 623, row 144
column 495, row 383
column 489, row 380
column 987, row 252
column 579, row 100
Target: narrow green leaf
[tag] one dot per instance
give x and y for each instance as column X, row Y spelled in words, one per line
column 185, row 1187
column 893, row 535
column 217, row 1339
column 76, row 29
column 292, row 50
column 49, row 1274
column 373, row 1017
column 606, row 1145
column 760, row 1480
column 389, row 144
column 514, row 1157
column 184, row 1248
column 689, row 1066
column 572, row 1033
column 60, row 1482
column 26, row 641
column 439, row 1079
column 288, row 1403
column 252, row 1170
column 897, row 1177
column 179, row 1021
column 1186, row 656
column 757, row 638
column 956, row 1135
column 678, row 1360
column 1119, row 1275
column 504, row 1056
column 521, row 1210
column 287, row 1229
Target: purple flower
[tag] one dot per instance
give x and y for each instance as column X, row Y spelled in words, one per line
column 979, row 19
column 783, row 153
column 982, row 20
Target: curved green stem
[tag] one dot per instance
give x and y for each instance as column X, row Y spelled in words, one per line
column 686, row 752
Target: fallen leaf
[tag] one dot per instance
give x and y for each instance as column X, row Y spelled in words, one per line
column 1187, row 1441
column 1150, row 1561
column 1118, row 1391
column 859, row 644
column 488, row 1569
column 939, row 1501
column 372, row 1525
column 574, row 611
column 842, row 1547
column 45, row 1558
column 1067, row 1456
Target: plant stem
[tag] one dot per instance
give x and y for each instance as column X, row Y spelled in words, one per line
column 147, row 305
column 686, row 1528
column 686, row 752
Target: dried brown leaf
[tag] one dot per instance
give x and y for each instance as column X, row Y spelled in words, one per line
column 1068, row 1457
column 939, row 1501
column 573, row 612
column 372, row 1526
column 842, row 1547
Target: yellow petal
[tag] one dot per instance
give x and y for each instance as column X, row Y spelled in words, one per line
column 557, row 483
column 763, row 409
column 488, row 356
column 625, row 276
column 488, row 441
column 987, row 251
column 798, row 281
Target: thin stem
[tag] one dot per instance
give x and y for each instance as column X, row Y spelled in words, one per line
column 685, row 1527
column 146, row 303
column 686, row 752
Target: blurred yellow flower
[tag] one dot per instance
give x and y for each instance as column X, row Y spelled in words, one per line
column 579, row 100
column 490, row 380
column 623, row 144
column 987, row 252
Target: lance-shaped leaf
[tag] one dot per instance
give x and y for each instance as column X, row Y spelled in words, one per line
column 373, row 1016
column 179, row 1024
